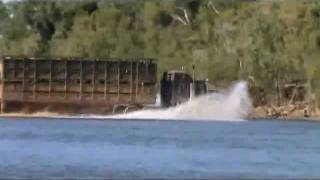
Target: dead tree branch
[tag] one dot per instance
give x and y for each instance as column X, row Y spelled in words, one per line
column 185, row 20
column 210, row 4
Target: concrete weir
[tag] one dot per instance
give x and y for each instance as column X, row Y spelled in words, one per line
column 82, row 83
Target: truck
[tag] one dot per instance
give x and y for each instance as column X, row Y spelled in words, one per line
column 76, row 85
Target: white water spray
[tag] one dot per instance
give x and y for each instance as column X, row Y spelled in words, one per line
column 229, row 105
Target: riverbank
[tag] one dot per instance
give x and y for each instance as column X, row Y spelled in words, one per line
column 35, row 115
column 259, row 113
column 285, row 113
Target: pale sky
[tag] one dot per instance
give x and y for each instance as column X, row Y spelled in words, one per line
column 5, row 1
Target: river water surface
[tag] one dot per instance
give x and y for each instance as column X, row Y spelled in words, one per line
column 64, row 148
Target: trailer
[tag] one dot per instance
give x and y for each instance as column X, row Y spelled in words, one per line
column 90, row 85
column 75, row 85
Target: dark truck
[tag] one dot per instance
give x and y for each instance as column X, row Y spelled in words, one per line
column 178, row 87
column 89, row 85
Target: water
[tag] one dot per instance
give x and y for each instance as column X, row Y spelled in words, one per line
column 231, row 104
column 222, row 145
column 42, row 148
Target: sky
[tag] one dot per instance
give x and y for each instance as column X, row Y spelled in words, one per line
column 5, row 1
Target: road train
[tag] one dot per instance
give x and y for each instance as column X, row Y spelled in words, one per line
column 90, row 85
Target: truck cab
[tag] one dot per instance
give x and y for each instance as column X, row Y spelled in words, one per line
column 178, row 87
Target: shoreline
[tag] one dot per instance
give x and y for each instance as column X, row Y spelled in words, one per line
column 286, row 113
column 48, row 115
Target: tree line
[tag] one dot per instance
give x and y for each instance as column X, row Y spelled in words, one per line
column 269, row 43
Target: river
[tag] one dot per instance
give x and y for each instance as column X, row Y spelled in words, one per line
column 91, row 148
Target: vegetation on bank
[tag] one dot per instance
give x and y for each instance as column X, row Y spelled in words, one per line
column 271, row 43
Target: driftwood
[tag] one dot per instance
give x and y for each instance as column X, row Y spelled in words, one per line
column 289, row 110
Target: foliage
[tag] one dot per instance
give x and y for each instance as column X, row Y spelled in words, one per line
column 269, row 41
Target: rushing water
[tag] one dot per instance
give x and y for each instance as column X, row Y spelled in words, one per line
column 230, row 104
column 39, row 148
